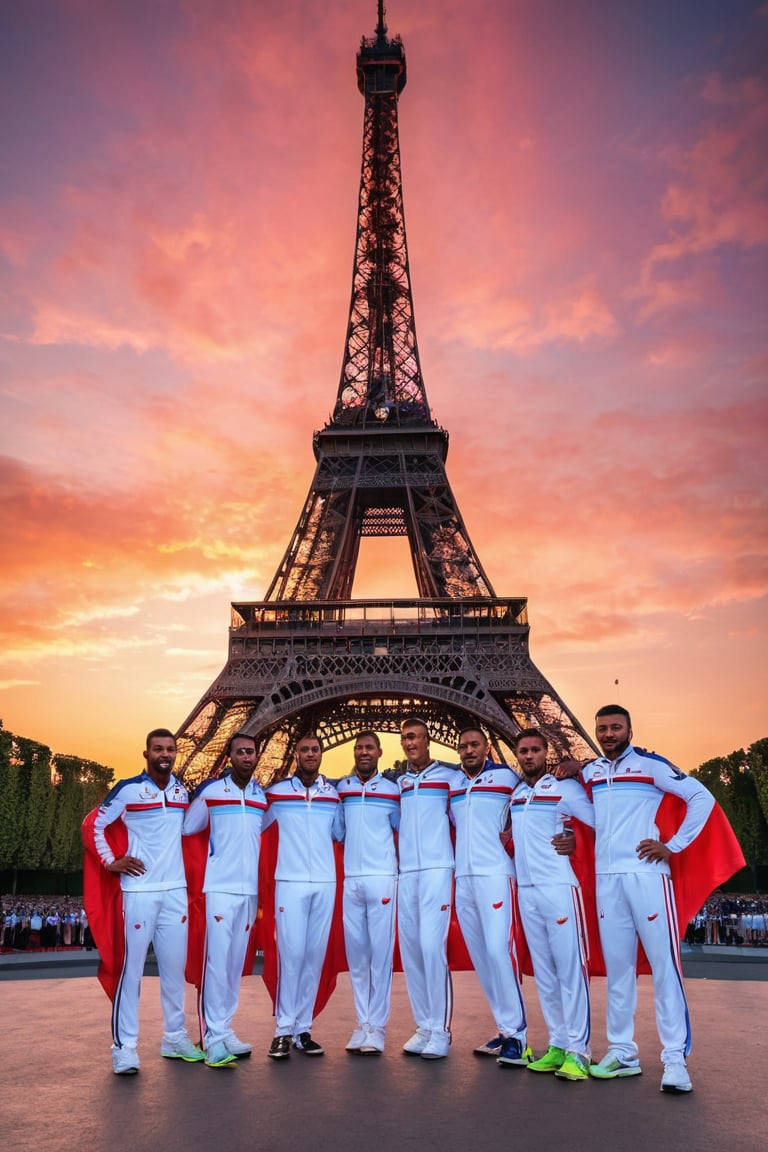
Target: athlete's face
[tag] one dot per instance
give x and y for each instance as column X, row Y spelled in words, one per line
column 613, row 734
column 308, row 757
column 242, row 757
column 160, row 756
column 414, row 740
column 366, row 752
column 473, row 752
column 531, row 754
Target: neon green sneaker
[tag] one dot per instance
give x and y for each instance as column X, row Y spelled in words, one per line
column 219, row 1056
column 574, row 1067
column 552, row 1059
column 611, row 1066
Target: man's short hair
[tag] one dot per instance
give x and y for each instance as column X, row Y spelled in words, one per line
column 165, row 732
column 309, row 735
column 239, row 736
column 531, row 734
column 369, row 734
column 474, row 728
column 614, row 710
column 414, row 721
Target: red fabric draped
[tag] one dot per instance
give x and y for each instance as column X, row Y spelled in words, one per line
column 103, row 901
column 712, row 858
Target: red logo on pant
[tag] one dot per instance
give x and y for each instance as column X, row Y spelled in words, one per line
column 499, row 905
column 653, row 917
column 562, row 920
column 386, row 899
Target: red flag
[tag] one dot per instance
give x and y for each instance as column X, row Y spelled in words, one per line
column 103, row 901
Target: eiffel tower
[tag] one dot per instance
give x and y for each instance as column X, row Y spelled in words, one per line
column 309, row 656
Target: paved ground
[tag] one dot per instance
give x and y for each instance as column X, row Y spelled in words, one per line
column 57, row 1090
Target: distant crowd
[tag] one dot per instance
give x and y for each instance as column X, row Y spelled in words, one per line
column 43, row 923
column 728, row 919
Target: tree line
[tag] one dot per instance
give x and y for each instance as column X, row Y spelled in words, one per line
column 739, row 783
column 43, row 799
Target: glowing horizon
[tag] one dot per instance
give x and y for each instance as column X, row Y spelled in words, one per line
column 585, row 200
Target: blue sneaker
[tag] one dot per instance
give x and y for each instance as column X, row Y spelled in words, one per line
column 490, row 1048
column 512, row 1053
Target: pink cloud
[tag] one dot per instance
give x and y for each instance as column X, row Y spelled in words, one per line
column 493, row 319
column 720, row 195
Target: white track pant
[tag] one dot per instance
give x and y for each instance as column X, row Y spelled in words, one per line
column 160, row 917
column 228, row 921
column 303, row 914
column 553, row 922
column 423, row 918
column 632, row 905
column 485, row 908
column 369, row 938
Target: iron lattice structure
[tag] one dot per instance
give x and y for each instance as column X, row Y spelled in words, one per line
column 309, row 656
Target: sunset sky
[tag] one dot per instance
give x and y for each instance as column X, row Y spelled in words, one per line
column 585, row 187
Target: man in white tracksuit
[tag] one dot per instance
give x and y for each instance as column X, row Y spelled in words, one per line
column 232, row 807
column 370, row 806
column 551, row 908
column 307, row 811
column 485, row 883
column 154, row 893
column 425, row 890
column 635, row 899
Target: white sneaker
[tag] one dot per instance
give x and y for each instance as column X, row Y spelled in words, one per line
column 417, row 1043
column 125, row 1061
column 237, row 1047
column 357, row 1040
column 374, row 1042
column 437, row 1047
column 182, row 1049
column 676, row 1078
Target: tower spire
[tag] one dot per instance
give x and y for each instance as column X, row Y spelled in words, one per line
column 381, row 27
column 381, row 381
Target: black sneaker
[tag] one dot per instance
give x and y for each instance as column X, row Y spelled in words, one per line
column 304, row 1043
column 280, row 1048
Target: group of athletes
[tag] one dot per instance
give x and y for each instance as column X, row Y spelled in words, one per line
column 495, row 843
